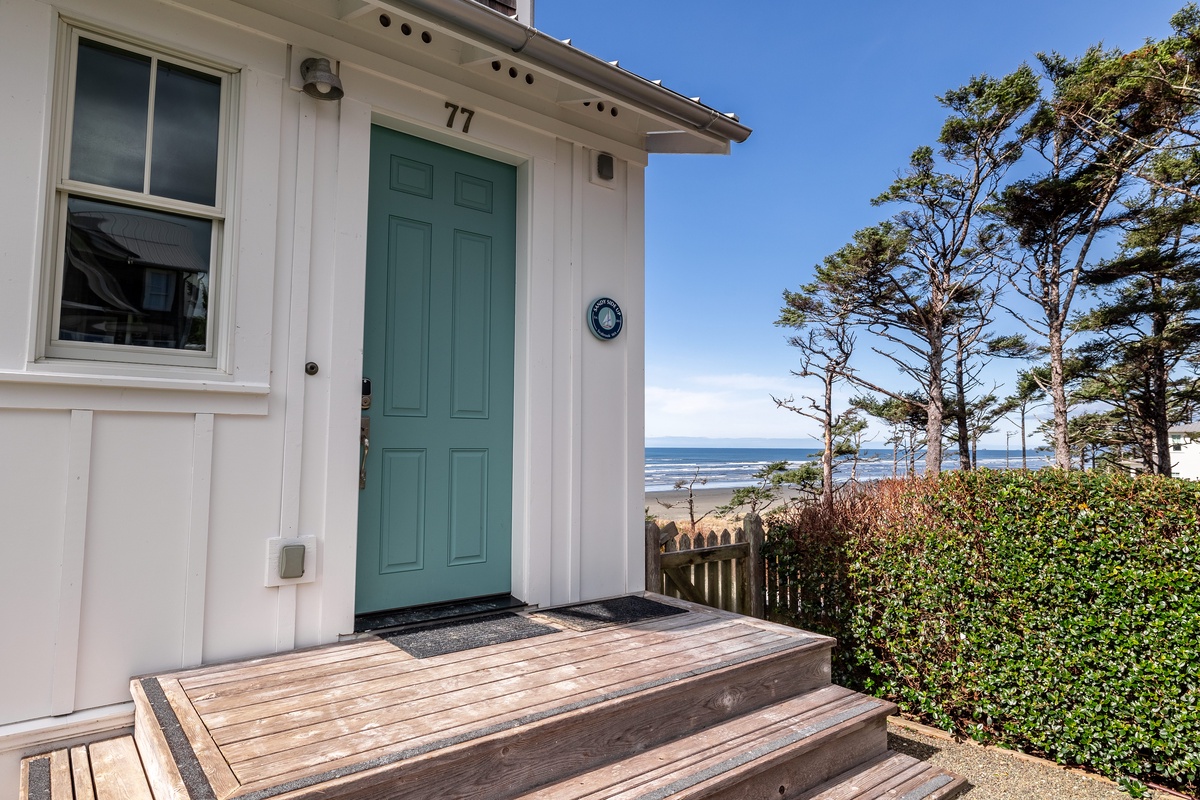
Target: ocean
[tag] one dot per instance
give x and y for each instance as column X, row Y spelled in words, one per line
column 730, row 467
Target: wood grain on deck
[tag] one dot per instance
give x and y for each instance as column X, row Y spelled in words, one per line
column 743, row 739
column 117, row 770
column 294, row 717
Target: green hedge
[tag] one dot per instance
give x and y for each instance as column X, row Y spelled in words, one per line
column 1054, row 612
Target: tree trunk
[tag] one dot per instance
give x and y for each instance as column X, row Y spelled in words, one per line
column 827, row 456
column 936, row 409
column 1058, row 396
column 1161, row 428
column 1024, row 463
column 1150, row 449
column 1159, row 379
column 960, row 407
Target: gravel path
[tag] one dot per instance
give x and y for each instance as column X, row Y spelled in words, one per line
column 998, row 774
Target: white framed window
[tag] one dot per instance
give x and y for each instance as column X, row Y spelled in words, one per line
column 137, row 220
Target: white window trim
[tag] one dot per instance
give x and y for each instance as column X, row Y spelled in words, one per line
column 64, row 356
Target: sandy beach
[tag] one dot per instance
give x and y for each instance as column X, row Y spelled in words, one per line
column 706, row 500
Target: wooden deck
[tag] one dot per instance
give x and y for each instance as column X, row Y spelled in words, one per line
column 623, row 710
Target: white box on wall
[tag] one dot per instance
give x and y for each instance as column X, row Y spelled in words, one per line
column 275, row 544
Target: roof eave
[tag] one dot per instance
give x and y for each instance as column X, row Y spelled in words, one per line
column 694, row 118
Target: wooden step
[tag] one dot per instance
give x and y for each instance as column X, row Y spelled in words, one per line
column 893, row 776
column 366, row 720
column 105, row 770
column 779, row 751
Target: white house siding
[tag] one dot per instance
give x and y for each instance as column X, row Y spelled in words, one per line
column 134, row 511
column 1185, row 462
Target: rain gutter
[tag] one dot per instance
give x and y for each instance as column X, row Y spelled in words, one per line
column 522, row 39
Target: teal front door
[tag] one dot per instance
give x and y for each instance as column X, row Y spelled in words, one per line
column 435, row 502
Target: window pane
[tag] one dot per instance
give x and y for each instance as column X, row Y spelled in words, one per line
column 112, row 101
column 187, row 115
column 135, row 277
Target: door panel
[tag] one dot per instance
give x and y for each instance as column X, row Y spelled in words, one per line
column 435, row 513
column 406, row 357
column 471, row 326
column 468, row 506
column 402, row 517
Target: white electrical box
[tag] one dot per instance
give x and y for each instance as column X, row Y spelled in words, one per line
column 275, row 546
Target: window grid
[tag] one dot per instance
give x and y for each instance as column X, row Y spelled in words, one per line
column 65, row 188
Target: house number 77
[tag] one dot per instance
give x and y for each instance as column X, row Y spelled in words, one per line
column 467, row 113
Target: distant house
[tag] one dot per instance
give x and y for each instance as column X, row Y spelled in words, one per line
column 220, row 218
column 1185, row 451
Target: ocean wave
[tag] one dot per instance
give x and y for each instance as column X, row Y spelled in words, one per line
column 731, row 468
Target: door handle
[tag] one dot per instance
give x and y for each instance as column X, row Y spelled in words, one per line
column 364, row 439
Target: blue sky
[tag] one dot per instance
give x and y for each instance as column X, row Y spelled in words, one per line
column 838, row 95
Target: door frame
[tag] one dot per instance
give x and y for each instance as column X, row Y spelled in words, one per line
column 428, row 580
column 523, row 573
column 549, row 496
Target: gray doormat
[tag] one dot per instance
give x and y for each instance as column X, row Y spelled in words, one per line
column 438, row 612
column 466, row 634
column 617, row 611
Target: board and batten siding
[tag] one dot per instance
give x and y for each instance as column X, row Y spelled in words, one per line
column 134, row 512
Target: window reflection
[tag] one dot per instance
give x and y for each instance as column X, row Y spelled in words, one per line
column 112, row 100
column 134, row 276
column 187, row 112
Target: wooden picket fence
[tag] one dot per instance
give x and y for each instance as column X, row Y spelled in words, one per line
column 784, row 599
column 723, row 570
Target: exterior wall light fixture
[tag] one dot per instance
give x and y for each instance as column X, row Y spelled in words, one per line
column 319, row 80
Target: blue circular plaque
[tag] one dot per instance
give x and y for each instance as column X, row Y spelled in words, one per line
column 605, row 318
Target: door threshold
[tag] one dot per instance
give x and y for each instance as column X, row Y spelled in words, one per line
column 384, row 621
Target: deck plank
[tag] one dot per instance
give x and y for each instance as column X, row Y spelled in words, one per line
column 81, row 774
column 801, row 758
column 871, row 780
column 653, row 769
column 151, row 741
column 212, row 761
column 368, row 723
column 579, row 734
column 280, row 663
column 407, row 732
column 348, row 720
column 117, row 770
column 331, row 676
column 60, row 776
column 926, row 782
column 439, row 688
column 229, row 694
column 26, row 791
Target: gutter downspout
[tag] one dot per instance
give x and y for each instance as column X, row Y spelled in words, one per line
column 521, row 38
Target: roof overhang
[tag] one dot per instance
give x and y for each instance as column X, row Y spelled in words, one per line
column 687, row 125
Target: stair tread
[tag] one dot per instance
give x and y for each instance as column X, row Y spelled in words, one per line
column 105, row 770
column 697, row 705
column 723, row 753
column 351, row 717
column 894, row 776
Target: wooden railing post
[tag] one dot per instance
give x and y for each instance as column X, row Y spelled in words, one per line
column 653, row 557
column 742, row 573
column 725, row 576
column 756, row 573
